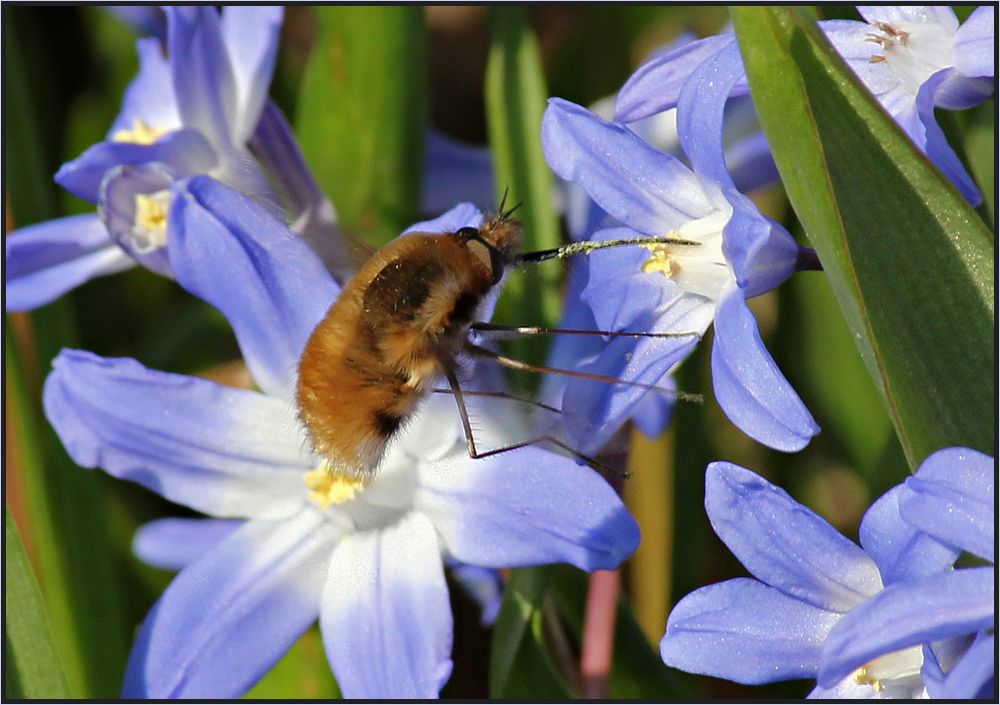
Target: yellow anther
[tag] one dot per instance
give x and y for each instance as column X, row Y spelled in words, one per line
column 327, row 488
column 660, row 261
column 150, row 211
column 141, row 133
column 861, row 677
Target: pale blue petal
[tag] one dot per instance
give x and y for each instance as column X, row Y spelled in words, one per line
column 150, row 96
column 227, row 618
column 653, row 412
column 311, row 213
column 618, row 292
column 748, row 384
column 907, row 614
column 751, row 163
column 747, row 632
column 222, row 451
column 762, row 253
column 526, row 507
column 642, row 187
column 250, row 34
column 182, row 153
column 700, row 111
column 385, row 615
column 265, row 280
column 974, row 676
column 593, row 411
column 901, row 551
column 173, row 543
column 850, row 39
column 484, row 585
column 203, row 78
column 454, row 172
column 44, row 261
column 657, row 84
column 783, row 543
column 896, row 14
column 936, row 145
column 975, row 44
column 952, row 497
column 460, row 216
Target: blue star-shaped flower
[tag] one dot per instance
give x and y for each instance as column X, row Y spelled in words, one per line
column 295, row 544
column 678, row 289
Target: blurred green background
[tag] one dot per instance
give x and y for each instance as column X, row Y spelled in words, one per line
column 463, row 67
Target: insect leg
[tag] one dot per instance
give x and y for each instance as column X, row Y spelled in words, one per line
column 476, row 454
column 501, row 395
column 513, row 364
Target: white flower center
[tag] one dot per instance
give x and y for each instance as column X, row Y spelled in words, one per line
column 700, row 269
column 912, row 50
column 897, row 675
column 141, row 133
column 149, row 231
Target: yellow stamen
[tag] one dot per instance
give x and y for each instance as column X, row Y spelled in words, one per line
column 327, row 488
column 150, row 211
column 661, row 261
column 861, row 677
column 150, row 225
column 141, row 133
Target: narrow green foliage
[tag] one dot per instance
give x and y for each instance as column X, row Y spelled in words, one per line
column 31, row 665
column 519, row 663
column 362, row 115
column 515, row 101
column 910, row 263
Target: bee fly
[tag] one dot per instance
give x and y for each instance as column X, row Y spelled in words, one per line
column 403, row 321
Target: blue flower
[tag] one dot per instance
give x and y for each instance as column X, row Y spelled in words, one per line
column 951, row 498
column 912, row 59
column 677, row 289
column 193, row 112
column 296, row 545
column 853, row 617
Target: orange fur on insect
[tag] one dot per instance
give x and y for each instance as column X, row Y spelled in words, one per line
column 397, row 325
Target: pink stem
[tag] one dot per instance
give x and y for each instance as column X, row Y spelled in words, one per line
column 599, row 632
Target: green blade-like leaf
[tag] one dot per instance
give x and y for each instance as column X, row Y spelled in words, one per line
column 911, row 264
column 519, row 663
column 362, row 115
column 31, row 665
column 515, row 101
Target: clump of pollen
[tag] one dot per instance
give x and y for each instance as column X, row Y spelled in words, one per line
column 660, row 259
column 141, row 133
column 327, row 487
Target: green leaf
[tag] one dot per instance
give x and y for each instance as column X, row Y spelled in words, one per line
column 362, row 115
column 520, row 667
column 910, row 263
column 30, row 660
column 515, row 101
column 77, row 572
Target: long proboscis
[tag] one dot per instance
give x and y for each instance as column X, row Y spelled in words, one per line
column 587, row 246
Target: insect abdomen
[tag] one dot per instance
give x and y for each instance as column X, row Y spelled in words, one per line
column 383, row 344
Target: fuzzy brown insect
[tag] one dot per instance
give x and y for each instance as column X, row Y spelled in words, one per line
column 397, row 326
column 400, row 324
